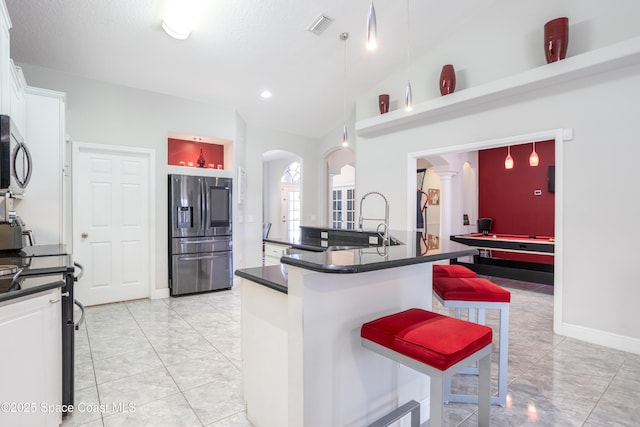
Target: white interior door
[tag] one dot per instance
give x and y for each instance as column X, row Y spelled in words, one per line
column 111, row 233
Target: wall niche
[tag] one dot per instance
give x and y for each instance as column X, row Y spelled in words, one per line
column 182, row 152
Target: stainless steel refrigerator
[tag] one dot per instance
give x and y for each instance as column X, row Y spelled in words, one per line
column 200, row 225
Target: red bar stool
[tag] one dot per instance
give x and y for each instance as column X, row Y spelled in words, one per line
column 435, row 345
column 452, row 270
column 477, row 295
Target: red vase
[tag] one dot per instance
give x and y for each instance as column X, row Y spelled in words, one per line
column 201, row 160
column 447, row 80
column 383, row 103
column 556, row 39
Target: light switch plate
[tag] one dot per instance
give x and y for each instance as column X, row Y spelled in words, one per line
column 373, row 240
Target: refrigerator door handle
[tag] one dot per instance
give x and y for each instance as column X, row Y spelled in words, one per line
column 196, row 242
column 203, row 206
column 196, row 258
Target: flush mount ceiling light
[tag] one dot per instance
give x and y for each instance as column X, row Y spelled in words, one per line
column 533, row 158
column 180, row 17
column 508, row 161
column 372, row 28
column 266, row 94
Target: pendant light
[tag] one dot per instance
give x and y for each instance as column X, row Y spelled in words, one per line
column 508, row 161
column 372, row 28
column 345, row 134
column 533, row 158
column 408, row 96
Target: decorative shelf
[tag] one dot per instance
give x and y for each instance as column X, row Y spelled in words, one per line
column 597, row 61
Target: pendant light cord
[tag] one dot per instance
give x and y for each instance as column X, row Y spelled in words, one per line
column 345, row 36
column 408, row 43
column 408, row 97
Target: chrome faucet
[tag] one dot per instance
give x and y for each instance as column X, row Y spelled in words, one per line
column 385, row 224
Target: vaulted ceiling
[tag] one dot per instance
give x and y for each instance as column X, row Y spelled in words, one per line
column 237, row 49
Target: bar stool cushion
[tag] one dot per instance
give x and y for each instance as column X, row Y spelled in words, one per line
column 453, row 270
column 430, row 338
column 469, row 289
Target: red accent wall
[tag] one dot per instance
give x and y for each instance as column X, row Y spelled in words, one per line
column 180, row 150
column 507, row 195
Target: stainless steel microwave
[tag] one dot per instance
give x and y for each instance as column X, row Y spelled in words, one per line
column 15, row 160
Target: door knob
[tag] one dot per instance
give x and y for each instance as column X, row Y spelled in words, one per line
column 84, row 235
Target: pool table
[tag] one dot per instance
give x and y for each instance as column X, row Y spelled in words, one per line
column 531, row 260
column 543, row 245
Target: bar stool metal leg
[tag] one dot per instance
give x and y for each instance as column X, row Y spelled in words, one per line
column 411, row 406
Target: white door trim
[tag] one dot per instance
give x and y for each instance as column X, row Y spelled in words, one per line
column 560, row 136
column 150, row 154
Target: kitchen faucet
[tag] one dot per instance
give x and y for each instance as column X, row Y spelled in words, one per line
column 361, row 218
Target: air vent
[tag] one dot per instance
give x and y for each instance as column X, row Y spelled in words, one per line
column 320, row 24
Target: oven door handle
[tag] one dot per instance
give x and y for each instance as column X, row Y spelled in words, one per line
column 81, row 307
column 15, row 284
column 79, row 276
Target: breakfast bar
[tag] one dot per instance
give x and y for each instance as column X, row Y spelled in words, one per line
column 303, row 363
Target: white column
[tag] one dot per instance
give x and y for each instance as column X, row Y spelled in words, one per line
column 446, row 201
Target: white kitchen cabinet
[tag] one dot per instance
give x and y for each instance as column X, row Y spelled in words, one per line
column 31, row 360
column 273, row 252
column 43, row 206
column 17, row 101
column 5, row 73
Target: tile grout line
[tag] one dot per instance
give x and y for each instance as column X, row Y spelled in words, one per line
column 180, row 391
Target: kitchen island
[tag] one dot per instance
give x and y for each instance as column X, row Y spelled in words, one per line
column 303, row 364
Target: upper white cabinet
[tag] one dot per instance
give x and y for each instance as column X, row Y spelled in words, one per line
column 12, row 81
column 42, row 208
column 17, row 103
column 5, row 65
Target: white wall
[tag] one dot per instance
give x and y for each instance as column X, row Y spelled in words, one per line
column 102, row 113
column 240, row 160
column 99, row 112
column 502, row 40
column 259, row 141
column 598, row 274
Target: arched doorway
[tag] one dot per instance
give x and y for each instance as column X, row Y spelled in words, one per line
column 281, row 181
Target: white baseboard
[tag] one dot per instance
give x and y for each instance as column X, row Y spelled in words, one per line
column 606, row 339
column 159, row 293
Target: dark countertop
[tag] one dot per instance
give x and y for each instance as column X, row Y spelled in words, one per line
column 310, row 238
column 294, row 243
column 358, row 260
column 378, row 258
column 42, row 267
column 271, row 276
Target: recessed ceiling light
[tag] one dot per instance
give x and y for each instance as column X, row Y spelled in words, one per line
column 266, row 94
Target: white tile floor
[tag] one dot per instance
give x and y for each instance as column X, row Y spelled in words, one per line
column 176, row 362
